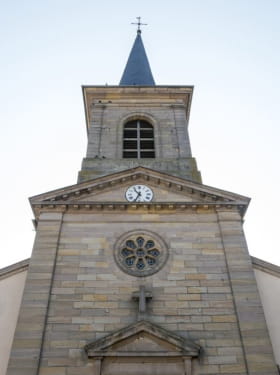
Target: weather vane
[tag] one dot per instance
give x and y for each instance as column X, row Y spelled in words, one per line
column 138, row 24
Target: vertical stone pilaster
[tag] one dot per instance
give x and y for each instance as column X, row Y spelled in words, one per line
column 254, row 335
column 95, row 132
column 97, row 366
column 29, row 334
column 187, row 365
column 182, row 142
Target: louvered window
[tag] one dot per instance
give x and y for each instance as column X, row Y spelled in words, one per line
column 138, row 140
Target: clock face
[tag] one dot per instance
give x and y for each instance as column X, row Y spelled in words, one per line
column 139, row 193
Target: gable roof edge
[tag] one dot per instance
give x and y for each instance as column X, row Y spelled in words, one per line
column 137, row 171
column 266, row 267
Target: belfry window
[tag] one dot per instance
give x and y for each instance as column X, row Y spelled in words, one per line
column 138, row 140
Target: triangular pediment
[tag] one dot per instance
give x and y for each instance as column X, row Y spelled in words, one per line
column 142, row 337
column 117, row 193
column 167, row 189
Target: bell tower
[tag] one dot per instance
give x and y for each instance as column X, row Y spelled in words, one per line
column 138, row 123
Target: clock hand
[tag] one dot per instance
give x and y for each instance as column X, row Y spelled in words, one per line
column 138, row 195
column 135, row 200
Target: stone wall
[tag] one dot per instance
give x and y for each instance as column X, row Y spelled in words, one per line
column 12, row 281
column 206, row 291
column 269, row 288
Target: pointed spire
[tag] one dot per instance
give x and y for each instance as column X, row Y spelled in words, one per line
column 137, row 70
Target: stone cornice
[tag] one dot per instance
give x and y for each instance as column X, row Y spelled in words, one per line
column 172, row 183
column 75, row 197
column 119, row 207
column 106, row 346
column 264, row 266
column 14, row 269
column 109, row 95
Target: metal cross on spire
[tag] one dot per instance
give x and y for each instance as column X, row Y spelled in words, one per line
column 138, row 23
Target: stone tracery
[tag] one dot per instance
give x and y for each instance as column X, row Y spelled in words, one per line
column 140, row 253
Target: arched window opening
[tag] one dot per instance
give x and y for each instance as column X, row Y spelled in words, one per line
column 138, row 140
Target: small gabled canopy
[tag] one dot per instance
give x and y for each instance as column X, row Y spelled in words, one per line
column 137, row 70
column 124, row 342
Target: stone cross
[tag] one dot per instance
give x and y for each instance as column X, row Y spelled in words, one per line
column 142, row 297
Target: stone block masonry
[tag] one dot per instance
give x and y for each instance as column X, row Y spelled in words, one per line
column 166, row 108
column 75, row 292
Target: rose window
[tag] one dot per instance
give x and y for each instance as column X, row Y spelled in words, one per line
column 140, row 254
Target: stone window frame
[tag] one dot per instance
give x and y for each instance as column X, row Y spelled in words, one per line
column 147, row 235
column 141, row 145
column 138, row 116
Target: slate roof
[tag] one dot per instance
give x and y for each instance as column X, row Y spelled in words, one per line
column 137, row 70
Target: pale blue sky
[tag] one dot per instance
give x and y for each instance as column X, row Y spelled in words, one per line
column 227, row 49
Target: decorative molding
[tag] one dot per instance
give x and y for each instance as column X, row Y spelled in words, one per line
column 172, row 183
column 14, row 269
column 135, row 206
column 203, row 197
column 137, row 246
column 264, row 266
column 106, row 346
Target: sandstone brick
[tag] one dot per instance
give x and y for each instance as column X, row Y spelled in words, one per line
column 224, row 318
column 53, row 371
column 233, row 369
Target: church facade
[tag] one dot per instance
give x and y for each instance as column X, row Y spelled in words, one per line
column 139, row 268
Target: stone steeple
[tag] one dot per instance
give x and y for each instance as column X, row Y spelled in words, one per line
column 137, row 70
column 138, row 123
